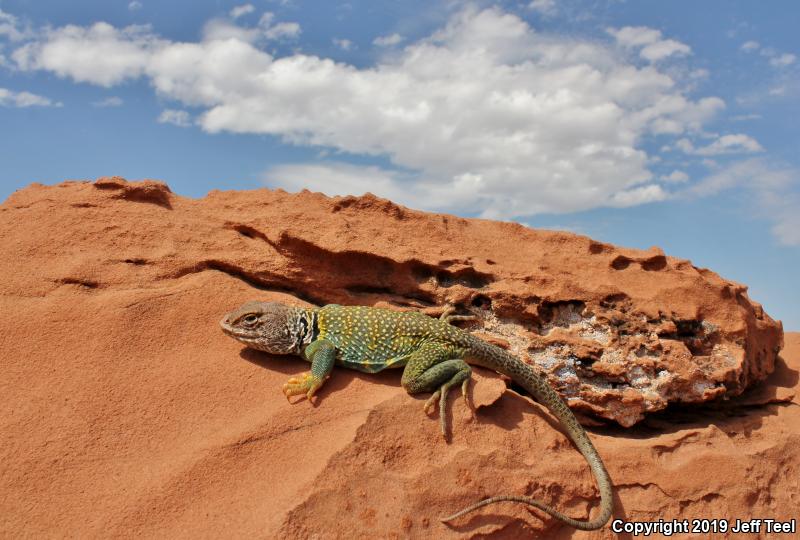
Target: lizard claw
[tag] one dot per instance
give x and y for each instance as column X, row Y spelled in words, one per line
column 439, row 396
column 431, row 403
column 464, row 388
column 448, row 317
column 307, row 384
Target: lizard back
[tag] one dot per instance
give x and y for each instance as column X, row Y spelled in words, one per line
column 372, row 339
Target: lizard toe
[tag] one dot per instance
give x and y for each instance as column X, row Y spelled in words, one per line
column 431, row 402
column 306, row 384
column 465, row 393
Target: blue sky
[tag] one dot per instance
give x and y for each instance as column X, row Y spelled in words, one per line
column 638, row 123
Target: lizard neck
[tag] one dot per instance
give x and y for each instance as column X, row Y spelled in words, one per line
column 303, row 327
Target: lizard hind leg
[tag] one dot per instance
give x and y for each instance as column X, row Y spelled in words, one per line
column 439, row 378
column 448, row 317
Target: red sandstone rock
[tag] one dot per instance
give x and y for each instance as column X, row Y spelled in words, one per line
column 126, row 411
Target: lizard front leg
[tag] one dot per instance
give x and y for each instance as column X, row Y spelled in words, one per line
column 321, row 354
column 432, row 368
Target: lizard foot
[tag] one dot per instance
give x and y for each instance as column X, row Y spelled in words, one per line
column 448, row 317
column 306, row 384
column 441, row 396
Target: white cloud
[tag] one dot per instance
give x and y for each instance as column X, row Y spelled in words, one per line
column 776, row 59
column 749, row 46
column 782, row 60
column 751, row 173
column 9, row 98
column 787, row 228
column 100, row 54
column 224, row 29
column 545, row 7
column 743, row 117
column 11, row 28
column 727, row 144
column 344, row 44
column 240, row 11
column 638, row 195
column 105, row 55
column 773, row 192
column 282, row 30
column 635, row 36
column 388, row 41
column 485, row 114
column 652, row 47
column 175, row 117
column 112, row 101
column 135, row 5
column 676, row 176
column 768, row 52
column 663, row 49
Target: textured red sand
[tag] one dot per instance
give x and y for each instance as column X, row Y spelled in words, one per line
column 126, row 412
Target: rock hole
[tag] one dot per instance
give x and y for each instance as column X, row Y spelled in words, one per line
column 86, row 283
column 620, row 263
column 248, row 232
column 421, row 272
column 444, row 279
column 688, row 328
column 595, row 248
column 466, row 277
column 481, row 301
column 654, row 264
column 146, row 191
column 616, row 300
column 561, row 313
column 692, row 333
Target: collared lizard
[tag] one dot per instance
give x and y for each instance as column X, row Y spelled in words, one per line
column 434, row 355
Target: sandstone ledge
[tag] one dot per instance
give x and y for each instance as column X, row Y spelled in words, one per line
column 127, row 412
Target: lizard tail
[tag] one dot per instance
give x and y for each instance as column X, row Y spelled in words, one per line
column 499, row 360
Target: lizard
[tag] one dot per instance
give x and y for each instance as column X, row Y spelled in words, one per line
column 434, row 354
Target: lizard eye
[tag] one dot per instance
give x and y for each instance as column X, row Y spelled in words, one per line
column 250, row 319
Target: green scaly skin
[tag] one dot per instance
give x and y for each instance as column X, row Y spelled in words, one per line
column 434, row 354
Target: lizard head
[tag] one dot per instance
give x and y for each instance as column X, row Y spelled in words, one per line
column 265, row 326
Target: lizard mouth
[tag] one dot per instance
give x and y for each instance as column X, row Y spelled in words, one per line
column 234, row 332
